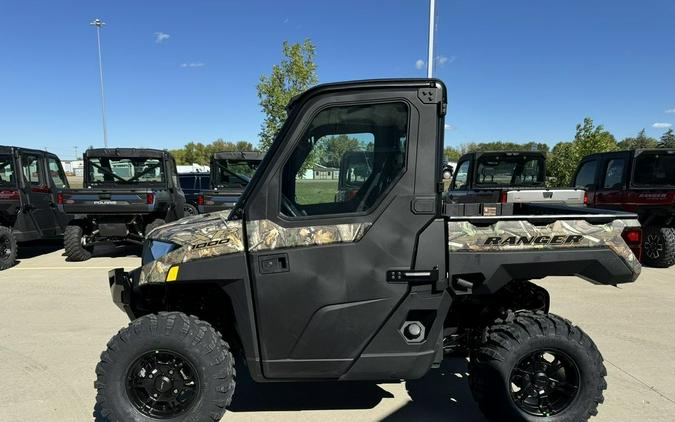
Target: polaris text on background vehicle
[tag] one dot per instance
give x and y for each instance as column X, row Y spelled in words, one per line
column 29, row 184
column 381, row 284
column 127, row 193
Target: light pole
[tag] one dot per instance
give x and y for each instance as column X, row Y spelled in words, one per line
column 430, row 58
column 98, row 23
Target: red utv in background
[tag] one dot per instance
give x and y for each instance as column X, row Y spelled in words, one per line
column 640, row 181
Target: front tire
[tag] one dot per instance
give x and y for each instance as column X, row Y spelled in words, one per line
column 75, row 243
column 537, row 367
column 170, row 367
column 189, row 210
column 659, row 246
column 8, row 248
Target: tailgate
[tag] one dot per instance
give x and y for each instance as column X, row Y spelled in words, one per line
column 87, row 201
column 218, row 201
column 519, row 250
column 560, row 196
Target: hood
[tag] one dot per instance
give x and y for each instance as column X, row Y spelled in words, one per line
column 189, row 229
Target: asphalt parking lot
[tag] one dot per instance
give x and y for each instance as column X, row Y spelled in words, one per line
column 57, row 317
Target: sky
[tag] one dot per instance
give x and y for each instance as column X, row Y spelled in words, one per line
column 179, row 71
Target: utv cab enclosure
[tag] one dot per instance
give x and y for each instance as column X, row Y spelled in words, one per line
column 640, row 181
column 230, row 173
column 29, row 184
column 127, row 193
column 193, row 184
column 381, row 284
column 506, row 177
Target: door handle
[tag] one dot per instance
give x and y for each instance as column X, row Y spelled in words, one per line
column 270, row 264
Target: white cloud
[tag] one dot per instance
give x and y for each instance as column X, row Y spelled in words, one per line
column 670, row 111
column 443, row 60
column 659, row 125
column 160, row 37
column 449, row 127
column 193, row 64
column 286, row 20
column 420, row 64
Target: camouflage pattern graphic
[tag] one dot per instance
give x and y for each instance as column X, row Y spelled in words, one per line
column 522, row 235
column 266, row 235
column 199, row 236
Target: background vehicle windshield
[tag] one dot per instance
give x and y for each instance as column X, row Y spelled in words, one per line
column 234, row 173
column 654, row 168
column 125, row 170
column 510, row 170
column 7, row 177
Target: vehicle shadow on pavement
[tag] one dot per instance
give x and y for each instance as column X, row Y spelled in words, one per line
column 35, row 248
column 441, row 395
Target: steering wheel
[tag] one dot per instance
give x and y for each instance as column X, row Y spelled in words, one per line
column 289, row 208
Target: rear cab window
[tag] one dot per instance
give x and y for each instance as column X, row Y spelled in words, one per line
column 505, row 170
column 654, row 168
column 57, row 174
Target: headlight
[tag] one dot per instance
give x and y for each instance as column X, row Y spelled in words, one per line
column 155, row 249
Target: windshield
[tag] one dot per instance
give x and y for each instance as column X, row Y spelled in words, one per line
column 7, row 177
column 233, row 173
column 121, row 170
column 655, row 169
column 510, row 170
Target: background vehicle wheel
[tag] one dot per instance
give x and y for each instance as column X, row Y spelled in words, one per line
column 169, row 367
column 8, row 248
column 659, row 246
column 76, row 243
column 153, row 225
column 535, row 367
column 189, row 209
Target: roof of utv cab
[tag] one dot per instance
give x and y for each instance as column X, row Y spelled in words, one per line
column 125, row 152
column 239, row 155
column 5, row 149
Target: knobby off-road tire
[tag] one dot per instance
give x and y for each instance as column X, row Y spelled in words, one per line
column 73, row 244
column 520, row 356
column 659, row 246
column 188, row 355
column 153, row 225
column 8, row 248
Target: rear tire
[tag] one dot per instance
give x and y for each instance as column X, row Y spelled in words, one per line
column 192, row 366
column 189, row 210
column 74, row 243
column 153, row 225
column 659, row 246
column 536, row 367
column 8, row 248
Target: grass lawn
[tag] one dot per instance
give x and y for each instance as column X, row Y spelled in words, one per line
column 315, row 191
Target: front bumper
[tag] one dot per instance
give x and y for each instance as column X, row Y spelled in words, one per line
column 121, row 288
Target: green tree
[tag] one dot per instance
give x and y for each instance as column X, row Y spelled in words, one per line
column 451, row 154
column 294, row 74
column 561, row 163
column 640, row 141
column 333, row 148
column 590, row 139
column 198, row 153
column 503, row 146
column 667, row 139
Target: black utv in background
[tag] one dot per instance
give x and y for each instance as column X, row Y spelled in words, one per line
column 193, row 184
column 640, row 181
column 381, row 283
column 127, row 193
column 230, row 174
column 29, row 185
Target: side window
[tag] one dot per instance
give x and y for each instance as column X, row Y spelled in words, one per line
column 205, row 182
column 56, row 173
column 586, row 175
column 461, row 176
column 346, row 160
column 187, row 182
column 614, row 174
column 31, row 167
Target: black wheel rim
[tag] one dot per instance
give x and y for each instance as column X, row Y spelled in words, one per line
column 188, row 210
column 162, row 384
column 545, row 383
column 653, row 246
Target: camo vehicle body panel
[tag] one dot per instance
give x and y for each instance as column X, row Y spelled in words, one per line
column 209, row 235
column 266, row 235
column 522, row 235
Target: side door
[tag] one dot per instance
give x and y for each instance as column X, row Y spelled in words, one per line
column 613, row 172
column 320, row 262
column 586, row 178
column 38, row 193
column 57, row 182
